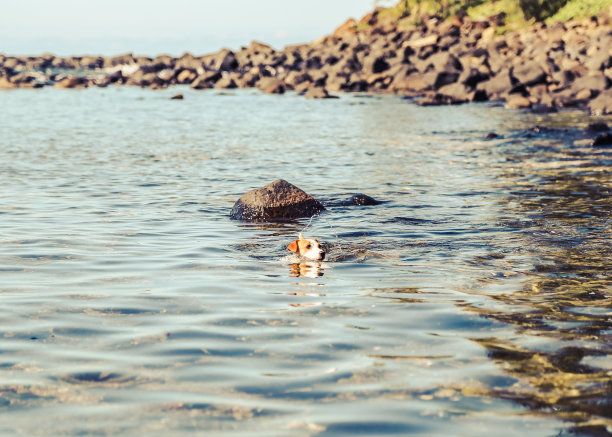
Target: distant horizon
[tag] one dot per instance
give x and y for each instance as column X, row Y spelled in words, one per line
column 149, row 28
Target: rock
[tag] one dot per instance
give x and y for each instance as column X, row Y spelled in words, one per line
column 318, row 93
column 256, row 54
column 411, row 82
column 598, row 126
column 101, row 82
column 114, row 61
column 516, row 101
column 277, row 200
column 600, row 61
column 438, row 79
column 596, row 82
column 379, row 65
column 223, row 60
column 422, row 42
column 91, row 62
column 498, row 85
column 177, row 97
column 251, row 77
column 201, row 83
column 294, row 78
column 6, row 84
column 444, row 61
column 226, row 82
column 529, row 74
column 186, row 76
column 115, row 77
column 602, row 104
column 72, row 82
column 456, row 93
column 149, row 66
column 271, row 85
column 603, row 140
column 206, row 80
column 540, row 108
column 436, row 99
column 167, row 75
column 318, row 77
column 188, row 62
column 22, row 79
column 347, row 29
column 335, row 82
column 472, row 77
column 360, row 200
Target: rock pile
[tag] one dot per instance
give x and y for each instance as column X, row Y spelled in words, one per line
column 557, row 66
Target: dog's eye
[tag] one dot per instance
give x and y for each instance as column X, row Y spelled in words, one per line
column 308, row 246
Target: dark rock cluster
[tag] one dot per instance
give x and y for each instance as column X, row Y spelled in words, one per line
column 543, row 67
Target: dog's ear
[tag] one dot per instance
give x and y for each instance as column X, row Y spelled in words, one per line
column 293, row 247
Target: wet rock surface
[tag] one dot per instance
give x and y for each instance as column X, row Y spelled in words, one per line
column 556, row 66
column 603, row 140
column 276, row 201
column 360, row 200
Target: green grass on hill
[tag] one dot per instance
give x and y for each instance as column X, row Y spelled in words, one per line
column 519, row 13
column 515, row 19
column 574, row 9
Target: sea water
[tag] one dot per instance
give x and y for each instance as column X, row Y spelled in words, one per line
column 475, row 299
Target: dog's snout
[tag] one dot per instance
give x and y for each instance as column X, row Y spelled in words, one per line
column 322, row 255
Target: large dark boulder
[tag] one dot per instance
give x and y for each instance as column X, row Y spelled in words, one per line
column 276, row 201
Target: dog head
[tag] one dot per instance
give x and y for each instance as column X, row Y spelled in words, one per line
column 310, row 249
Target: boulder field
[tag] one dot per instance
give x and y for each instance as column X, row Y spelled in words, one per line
column 543, row 67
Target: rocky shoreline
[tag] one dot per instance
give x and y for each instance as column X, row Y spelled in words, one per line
column 543, row 68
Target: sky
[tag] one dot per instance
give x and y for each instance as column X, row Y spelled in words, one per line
column 151, row 27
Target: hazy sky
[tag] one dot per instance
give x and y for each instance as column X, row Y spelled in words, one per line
column 72, row 27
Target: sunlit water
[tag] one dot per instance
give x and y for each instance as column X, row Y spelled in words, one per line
column 475, row 300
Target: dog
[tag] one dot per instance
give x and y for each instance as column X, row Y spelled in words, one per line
column 310, row 249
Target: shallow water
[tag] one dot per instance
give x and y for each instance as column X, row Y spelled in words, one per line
column 474, row 299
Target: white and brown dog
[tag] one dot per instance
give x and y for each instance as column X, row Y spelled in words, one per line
column 310, row 249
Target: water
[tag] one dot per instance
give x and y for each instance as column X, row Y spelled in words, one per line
column 475, row 299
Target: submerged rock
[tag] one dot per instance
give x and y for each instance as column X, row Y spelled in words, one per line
column 361, row 200
column 598, row 126
column 319, row 93
column 603, row 140
column 277, row 200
